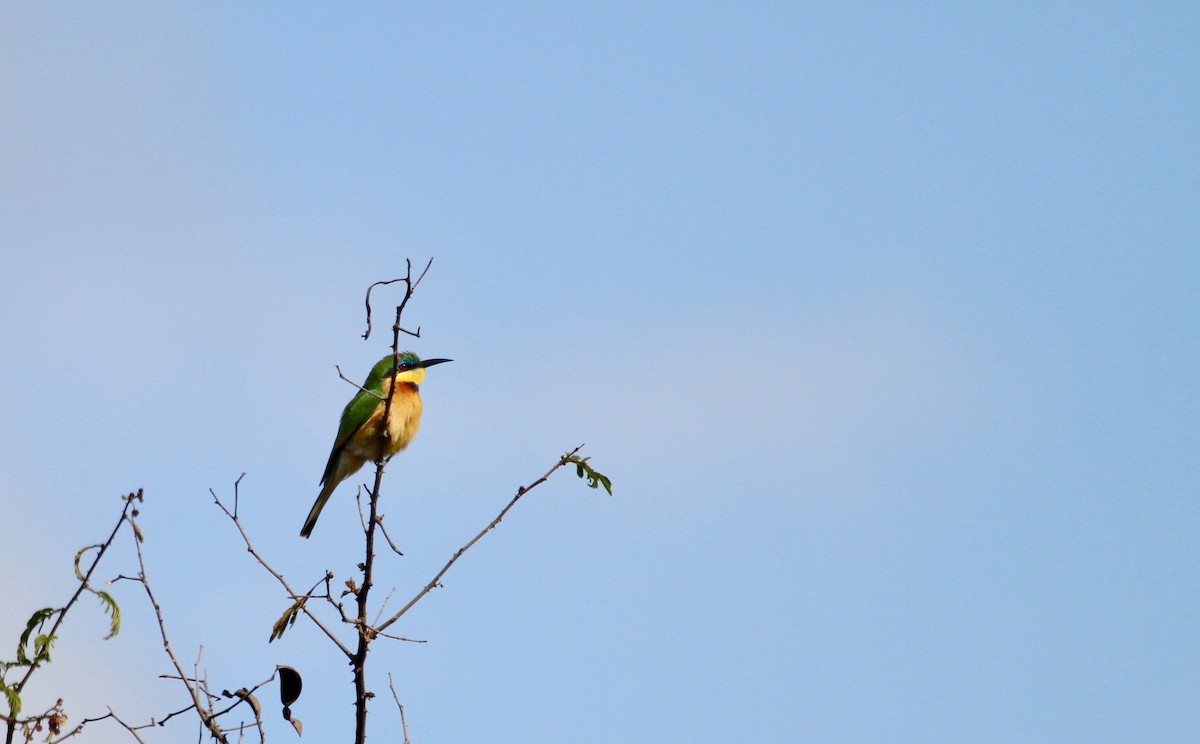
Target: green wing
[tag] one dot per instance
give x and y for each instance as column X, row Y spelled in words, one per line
column 356, row 413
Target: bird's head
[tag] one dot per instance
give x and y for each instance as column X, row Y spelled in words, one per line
column 407, row 368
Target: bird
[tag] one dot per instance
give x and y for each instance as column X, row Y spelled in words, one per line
column 360, row 433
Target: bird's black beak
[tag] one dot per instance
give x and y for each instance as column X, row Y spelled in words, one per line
column 431, row 362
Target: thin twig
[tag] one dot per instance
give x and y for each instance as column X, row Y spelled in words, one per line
column 433, row 583
column 355, row 384
column 399, row 638
column 362, row 518
column 79, row 726
column 411, row 287
column 51, row 718
column 126, row 726
column 243, row 694
column 199, row 682
column 236, row 484
column 111, row 714
column 388, row 537
column 208, row 722
column 383, row 604
column 179, row 712
column 403, row 721
column 278, row 576
column 329, row 598
column 193, row 680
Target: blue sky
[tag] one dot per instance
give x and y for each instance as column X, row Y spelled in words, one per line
column 882, row 319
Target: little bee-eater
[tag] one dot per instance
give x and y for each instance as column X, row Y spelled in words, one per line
column 360, row 434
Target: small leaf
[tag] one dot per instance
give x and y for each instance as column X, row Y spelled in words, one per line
column 287, row 620
column 41, row 647
column 14, row 700
column 595, row 479
column 112, row 610
column 79, row 557
column 604, row 481
column 35, row 621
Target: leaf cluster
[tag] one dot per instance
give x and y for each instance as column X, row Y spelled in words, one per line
column 595, row 478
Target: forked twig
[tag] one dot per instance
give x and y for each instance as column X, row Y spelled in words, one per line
column 410, row 287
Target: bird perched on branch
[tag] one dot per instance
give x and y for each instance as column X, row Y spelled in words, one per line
column 360, row 436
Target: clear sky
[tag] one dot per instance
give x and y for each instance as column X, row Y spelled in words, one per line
column 883, row 319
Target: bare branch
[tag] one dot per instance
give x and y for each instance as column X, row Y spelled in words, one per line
column 193, row 690
column 384, row 604
column 247, row 696
column 278, row 576
column 355, row 384
column 131, row 729
column 329, row 598
column 51, row 718
column 410, row 287
column 521, row 491
column 403, row 721
column 366, row 633
column 399, row 638
column 179, row 712
column 388, row 537
column 236, row 484
column 362, row 518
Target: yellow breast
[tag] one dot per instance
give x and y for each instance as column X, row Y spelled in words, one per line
column 403, row 420
column 404, row 417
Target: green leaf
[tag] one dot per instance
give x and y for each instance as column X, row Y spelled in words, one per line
column 604, row 481
column 595, row 479
column 79, row 557
column 112, row 610
column 287, row 620
column 14, row 700
column 41, row 647
column 35, row 622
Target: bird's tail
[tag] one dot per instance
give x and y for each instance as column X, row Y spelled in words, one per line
column 315, row 512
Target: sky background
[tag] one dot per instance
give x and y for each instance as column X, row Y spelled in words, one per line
column 882, row 318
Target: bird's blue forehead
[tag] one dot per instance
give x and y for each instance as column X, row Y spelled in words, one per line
column 407, row 360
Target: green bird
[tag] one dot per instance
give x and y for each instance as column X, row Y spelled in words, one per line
column 359, row 438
